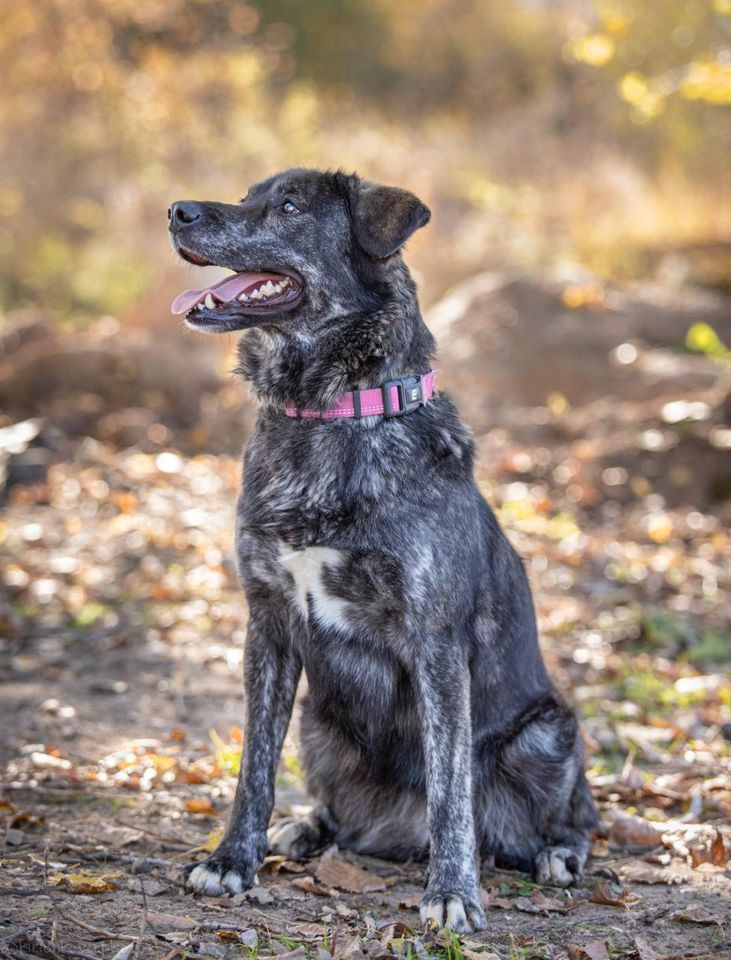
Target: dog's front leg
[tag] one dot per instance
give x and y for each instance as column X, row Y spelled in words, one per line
column 452, row 896
column 271, row 672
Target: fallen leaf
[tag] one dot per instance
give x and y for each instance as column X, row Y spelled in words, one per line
column 150, row 887
column 501, row 903
column 645, row 951
column 310, row 885
column 596, row 950
column 125, row 953
column 715, row 852
column 394, row 931
column 718, row 849
column 409, row 903
column 24, row 818
column 526, row 905
column 213, row 839
column 550, row 904
column 200, row 806
column 628, row 830
column 84, row 882
column 336, row 872
column 257, row 894
column 695, row 913
column 351, row 949
column 613, row 895
column 275, row 863
column 639, row 872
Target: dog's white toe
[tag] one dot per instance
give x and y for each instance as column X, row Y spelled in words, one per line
column 452, row 911
column 558, row 866
column 204, row 880
column 215, row 881
column 283, row 836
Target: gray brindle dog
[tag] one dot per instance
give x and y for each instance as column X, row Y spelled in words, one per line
column 371, row 561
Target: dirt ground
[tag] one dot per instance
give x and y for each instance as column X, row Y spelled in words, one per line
column 122, row 629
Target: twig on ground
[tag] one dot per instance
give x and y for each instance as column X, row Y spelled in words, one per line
column 15, row 892
column 126, row 858
column 98, row 931
column 153, row 833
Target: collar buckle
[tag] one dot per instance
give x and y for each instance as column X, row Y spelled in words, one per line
column 410, row 396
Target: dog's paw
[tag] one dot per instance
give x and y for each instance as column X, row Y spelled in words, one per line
column 456, row 911
column 558, row 867
column 219, row 875
column 295, row 837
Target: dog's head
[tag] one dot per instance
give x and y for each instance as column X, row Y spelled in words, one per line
column 304, row 246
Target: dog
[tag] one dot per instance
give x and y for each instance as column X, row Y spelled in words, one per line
column 371, row 562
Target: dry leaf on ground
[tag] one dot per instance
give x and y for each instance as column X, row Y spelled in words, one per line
column 628, row 830
column 310, row 885
column 163, row 922
column 613, row 895
column 125, row 953
column 695, row 913
column 637, row 871
column 84, row 882
column 200, row 806
column 645, row 950
column 540, row 903
column 596, row 950
column 336, row 872
column 713, row 852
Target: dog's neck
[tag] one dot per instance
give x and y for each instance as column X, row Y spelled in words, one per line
column 356, row 351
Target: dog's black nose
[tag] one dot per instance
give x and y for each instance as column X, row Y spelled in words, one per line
column 184, row 212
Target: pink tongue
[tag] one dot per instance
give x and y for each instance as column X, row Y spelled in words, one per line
column 225, row 290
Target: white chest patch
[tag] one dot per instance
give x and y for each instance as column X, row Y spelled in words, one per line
column 306, row 568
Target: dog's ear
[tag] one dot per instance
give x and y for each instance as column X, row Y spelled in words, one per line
column 384, row 217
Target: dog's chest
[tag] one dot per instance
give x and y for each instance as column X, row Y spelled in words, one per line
column 308, row 583
column 344, row 591
column 354, row 607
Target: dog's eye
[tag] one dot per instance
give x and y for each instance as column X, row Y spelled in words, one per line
column 289, row 207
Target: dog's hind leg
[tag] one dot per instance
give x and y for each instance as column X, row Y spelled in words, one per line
column 535, row 811
column 304, row 836
column 561, row 862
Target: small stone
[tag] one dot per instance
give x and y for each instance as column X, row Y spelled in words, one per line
column 259, row 895
column 14, row 837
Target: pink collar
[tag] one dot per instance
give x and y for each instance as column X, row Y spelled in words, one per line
column 392, row 399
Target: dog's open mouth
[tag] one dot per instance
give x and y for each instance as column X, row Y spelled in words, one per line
column 249, row 292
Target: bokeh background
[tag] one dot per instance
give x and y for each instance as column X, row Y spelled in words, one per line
column 576, row 272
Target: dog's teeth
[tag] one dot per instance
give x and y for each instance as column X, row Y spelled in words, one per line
column 256, row 295
column 199, row 306
column 244, row 297
column 210, row 302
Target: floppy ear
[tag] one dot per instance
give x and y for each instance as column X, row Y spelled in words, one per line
column 385, row 217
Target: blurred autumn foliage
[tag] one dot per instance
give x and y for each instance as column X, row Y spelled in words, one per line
column 540, row 130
